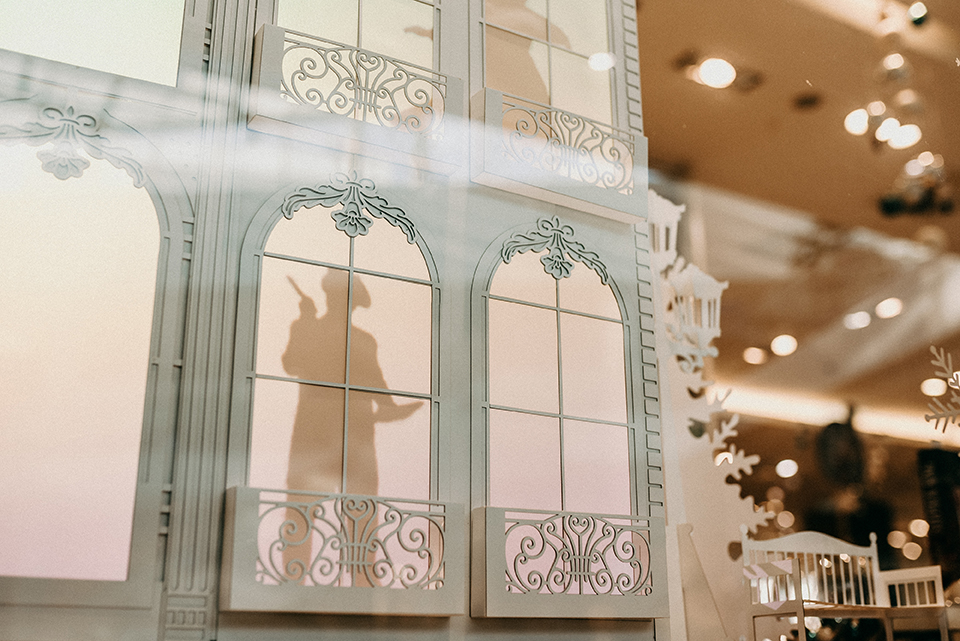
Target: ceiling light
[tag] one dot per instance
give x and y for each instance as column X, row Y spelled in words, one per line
column 937, row 161
column 917, row 13
column 783, row 345
column 716, row 73
column 905, row 136
column 907, row 98
column 602, row 61
column 876, row 108
column 925, row 158
column 887, row 128
column 755, row 355
column 787, row 468
column 856, row 320
column 889, row 308
column 786, row 519
column 857, row 122
column 893, row 61
column 919, row 528
column 933, row 387
column 913, row 167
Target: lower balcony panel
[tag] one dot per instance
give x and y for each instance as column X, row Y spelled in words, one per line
column 533, row 563
column 287, row 551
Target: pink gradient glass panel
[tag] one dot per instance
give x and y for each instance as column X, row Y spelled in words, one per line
column 524, row 460
column 523, row 357
column 78, row 274
column 596, row 467
column 385, row 249
column 523, row 278
column 391, row 339
column 297, row 439
column 312, row 234
column 302, row 334
column 593, row 369
column 388, row 446
column 583, row 291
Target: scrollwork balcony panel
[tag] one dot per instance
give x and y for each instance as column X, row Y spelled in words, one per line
column 567, row 564
column 310, row 552
column 334, row 95
column 557, row 156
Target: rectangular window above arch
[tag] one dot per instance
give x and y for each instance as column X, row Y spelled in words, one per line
column 361, row 76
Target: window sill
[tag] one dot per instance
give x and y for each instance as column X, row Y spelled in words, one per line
column 556, row 156
column 306, row 88
column 411, row 563
column 533, row 563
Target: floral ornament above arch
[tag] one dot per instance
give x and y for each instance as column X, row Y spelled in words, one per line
column 562, row 249
column 357, row 197
column 70, row 131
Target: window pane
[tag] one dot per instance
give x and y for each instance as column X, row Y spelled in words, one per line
column 332, row 19
column 583, row 291
column 524, row 278
column 311, row 234
column 580, row 25
column 593, row 376
column 388, row 446
column 400, row 29
column 78, row 269
column 302, row 334
column 390, row 339
column 134, row 39
column 385, row 249
column 596, row 468
column 523, row 357
column 297, row 439
column 524, row 461
column 517, row 66
column 528, row 17
column 578, row 88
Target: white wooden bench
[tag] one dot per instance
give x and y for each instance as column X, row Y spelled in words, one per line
column 837, row 580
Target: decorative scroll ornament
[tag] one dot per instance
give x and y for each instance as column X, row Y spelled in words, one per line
column 569, row 145
column 363, row 85
column 561, row 248
column 569, row 553
column 943, row 414
column 69, row 132
column 347, row 540
column 357, row 198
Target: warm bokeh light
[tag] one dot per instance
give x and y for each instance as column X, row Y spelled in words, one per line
column 755, row 355
column 917, row 11
column 716, row 73
column 775, row 492
column 919, row 528
column 905, row 136
column 887, row 129
column 786, row 519
column 896, row 539
column 925, row 158
column 889, row 307
column 783, row 345
column 893, row 61
column 912, row 551
column 913, row 167
column 876, row 108
column 857, row 122
column 934, row 387
column 787, row 468
column 856, row 320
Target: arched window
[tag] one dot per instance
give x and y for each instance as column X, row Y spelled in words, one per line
column 344, row 358
column 559, row 433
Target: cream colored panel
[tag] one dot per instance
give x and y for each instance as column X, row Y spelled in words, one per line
column 385, row 249
column 580, row 25
column 593, row 368
column 596, row 468
column 331, row 19
column 524, row 460
column 528, row 17
column 583, row 291
column 578, row 88
column 400, row 29
column 524, row 278
column 523, row 357
column 312, row 234
column 517, row 65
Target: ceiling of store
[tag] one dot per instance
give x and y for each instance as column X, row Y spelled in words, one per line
column 759, row 144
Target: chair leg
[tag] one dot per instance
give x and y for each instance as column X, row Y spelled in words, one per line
column 888, row 627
